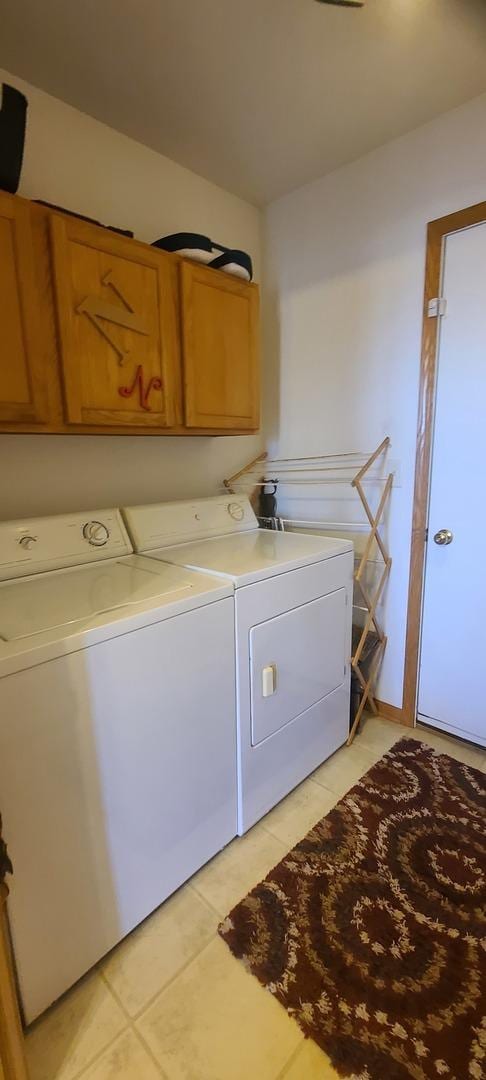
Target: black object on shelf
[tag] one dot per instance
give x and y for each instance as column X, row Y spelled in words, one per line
column 5, row 864
column 369, row 649
column 82, row 217
column 13, row 115
column 200, row 248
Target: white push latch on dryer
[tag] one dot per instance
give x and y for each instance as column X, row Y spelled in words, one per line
column 269, row 680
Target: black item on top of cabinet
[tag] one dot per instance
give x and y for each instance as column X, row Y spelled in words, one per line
column 234, row 262
column 83, row 217
column 191, row 245
column 5, row 864
column 13, row 114
column 200, row 248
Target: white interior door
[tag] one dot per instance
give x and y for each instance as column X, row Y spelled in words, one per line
column 451, row 688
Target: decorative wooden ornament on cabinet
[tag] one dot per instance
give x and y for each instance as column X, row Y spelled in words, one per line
column 97, row 308
column 143, row 393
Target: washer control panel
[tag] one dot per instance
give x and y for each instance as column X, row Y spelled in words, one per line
column 34, row 545
column 164, row 524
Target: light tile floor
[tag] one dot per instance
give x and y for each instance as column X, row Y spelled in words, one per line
column 170, row 1001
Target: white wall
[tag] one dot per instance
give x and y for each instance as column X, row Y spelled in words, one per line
column 345, row 278
column 76, row 162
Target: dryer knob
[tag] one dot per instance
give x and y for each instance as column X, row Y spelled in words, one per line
column 26, row 542
column 236, row 511
column 96, row 533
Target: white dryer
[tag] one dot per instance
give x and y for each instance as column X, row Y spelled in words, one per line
column 293, row 612
column 117, row 738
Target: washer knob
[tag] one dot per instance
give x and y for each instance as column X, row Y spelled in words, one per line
column 236, row 511
column 27, row 542
column 96, row 533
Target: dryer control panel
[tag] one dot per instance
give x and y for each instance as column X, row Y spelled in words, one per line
column 34, row 545
column 164, row 524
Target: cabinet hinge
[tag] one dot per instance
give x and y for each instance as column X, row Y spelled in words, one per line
column 437, row 307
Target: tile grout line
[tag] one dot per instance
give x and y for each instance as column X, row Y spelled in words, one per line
column 277, row 838
column 139, row 1016
column 289, row 845
column 92, row 1061
column 113, row 993
column 311, row 780
column 290, row 1061
column 274, row 837
column 130, row 1026
column 148, row 1005
column 149, row 1052
column 133, row 1019
column 337, row 795
column 214, row 909
column 208, row 904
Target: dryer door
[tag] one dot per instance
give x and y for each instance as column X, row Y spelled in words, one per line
column 296, row 659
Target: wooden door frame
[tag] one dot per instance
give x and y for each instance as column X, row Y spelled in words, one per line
column 437, row 231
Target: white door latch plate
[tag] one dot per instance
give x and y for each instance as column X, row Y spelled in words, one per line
column 269, row 680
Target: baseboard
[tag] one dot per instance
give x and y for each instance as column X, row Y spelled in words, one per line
column 391, row 712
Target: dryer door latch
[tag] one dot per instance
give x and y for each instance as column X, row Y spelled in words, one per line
column 269, row 680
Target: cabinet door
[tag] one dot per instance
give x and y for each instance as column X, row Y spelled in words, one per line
column 220, row 342
column 22, row 390
column 117, row 314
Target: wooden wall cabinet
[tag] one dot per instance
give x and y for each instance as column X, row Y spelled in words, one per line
column 220, row 348
column 22, row 382
column 116, row 305
column 100, row 333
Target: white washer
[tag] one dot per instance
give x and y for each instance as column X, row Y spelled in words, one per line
column 293, row 612
column 117, row 738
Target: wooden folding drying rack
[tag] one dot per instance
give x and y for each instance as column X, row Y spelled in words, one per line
column 251, row 479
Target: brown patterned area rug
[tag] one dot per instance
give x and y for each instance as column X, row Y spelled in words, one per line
column 371, row 931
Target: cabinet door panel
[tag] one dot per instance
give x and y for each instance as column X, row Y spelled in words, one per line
column 22, row 392
column 220, row 340
column 116, row 303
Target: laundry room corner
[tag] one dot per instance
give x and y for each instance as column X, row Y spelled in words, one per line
column 345, row 261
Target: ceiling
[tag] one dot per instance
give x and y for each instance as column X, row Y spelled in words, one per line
column 259, row 96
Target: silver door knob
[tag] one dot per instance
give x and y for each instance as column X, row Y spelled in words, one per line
column 444, row 536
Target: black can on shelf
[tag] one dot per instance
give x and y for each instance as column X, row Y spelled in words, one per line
column 13, row 115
